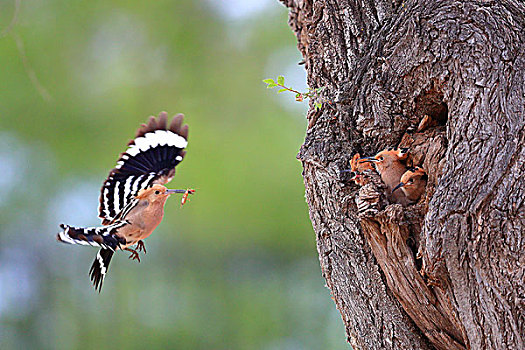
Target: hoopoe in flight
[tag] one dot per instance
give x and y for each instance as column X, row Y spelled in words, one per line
column 389, row 165
column 413, row 183
column 133, row 196
column 359, row 170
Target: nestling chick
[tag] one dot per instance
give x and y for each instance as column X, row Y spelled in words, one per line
column 359, row 170
column 413, row 183
column 388, row 164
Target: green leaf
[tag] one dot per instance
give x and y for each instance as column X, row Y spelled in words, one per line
column 271, row 85
column 283, row 90
column 280, row 80
column 318, row 105
column 269, row 81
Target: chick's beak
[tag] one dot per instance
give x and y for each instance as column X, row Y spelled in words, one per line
column 367, row 160
column 398, row 186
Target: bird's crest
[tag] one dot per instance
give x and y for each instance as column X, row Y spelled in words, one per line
column 392, row 154
column 412, row 173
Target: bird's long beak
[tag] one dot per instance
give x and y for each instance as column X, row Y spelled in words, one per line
column 175, row 191
column 367, row 160
column 398, row 186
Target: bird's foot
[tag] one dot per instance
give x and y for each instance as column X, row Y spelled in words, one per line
column 141, row 247
column 134, row 254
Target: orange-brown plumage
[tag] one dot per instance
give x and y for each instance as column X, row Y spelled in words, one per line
column 146, row 215
column 357, row 166
column 359, row 170
column 413, row 183
column 390, row 166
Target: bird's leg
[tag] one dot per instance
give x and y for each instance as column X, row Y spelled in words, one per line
column 134, row 254
column 141, row 247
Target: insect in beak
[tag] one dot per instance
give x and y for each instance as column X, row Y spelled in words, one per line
column 185, row 196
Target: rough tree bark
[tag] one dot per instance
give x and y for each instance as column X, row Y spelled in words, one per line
column 449, row 272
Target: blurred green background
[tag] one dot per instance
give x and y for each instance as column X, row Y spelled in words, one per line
column 236, row 268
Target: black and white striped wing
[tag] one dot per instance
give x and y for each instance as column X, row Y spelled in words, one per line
column 150, row 158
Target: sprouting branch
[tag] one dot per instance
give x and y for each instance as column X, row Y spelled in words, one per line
column 314, row 94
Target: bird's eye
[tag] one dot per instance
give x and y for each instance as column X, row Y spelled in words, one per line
column 381, row 158
column 157, row 192
column 410, row 181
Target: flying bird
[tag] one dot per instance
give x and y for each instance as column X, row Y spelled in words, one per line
column 133, row 196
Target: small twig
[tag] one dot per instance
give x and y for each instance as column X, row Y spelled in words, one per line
column 14, row 20
column 29, row 70
column 299, row 96
column 289, row 89
column 22, row 53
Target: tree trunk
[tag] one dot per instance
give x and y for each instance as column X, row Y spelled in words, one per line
column 449, row 272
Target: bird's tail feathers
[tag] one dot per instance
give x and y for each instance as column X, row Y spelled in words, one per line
column 100, row 268
column 103, row 236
